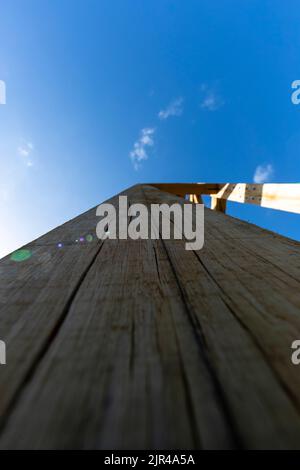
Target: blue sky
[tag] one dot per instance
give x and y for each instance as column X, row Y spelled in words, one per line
column 102, row 94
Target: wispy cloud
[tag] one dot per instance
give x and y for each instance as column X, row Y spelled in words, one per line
column 24, row 151
column 175, row 108
column 263, row 173
column 2, row 92
column 139, row 152
column 211, row 100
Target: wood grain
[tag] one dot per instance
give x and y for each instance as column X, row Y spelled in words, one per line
column 122, row 344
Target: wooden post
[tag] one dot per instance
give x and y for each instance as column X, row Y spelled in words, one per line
column 196, row 198
column 218, row 204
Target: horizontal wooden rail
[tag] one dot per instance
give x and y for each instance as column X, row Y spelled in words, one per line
column 182, row 189
column 284, row 197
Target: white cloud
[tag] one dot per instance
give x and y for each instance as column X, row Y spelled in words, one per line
column 139, row 152
column 2, row 92
column 263, row 173
column 173, row 109
column 211, row 101
column 24, row 151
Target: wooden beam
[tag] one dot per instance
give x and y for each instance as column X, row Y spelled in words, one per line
column 218, row 204
column 144, row 344
column 181, row 189
column 196, row 198
column 284, row 197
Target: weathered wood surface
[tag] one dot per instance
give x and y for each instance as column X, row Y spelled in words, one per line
column 141, row 344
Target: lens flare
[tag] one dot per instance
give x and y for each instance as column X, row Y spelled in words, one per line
column 21, row 255
column 89, row 238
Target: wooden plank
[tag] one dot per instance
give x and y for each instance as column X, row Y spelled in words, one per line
column 181, row 189
column 196, row 198
column 214, row 299
column 266, row 301
column 142, row 344
column 284, row 197
column 218, row 204
column 270, row 304
column 126, row 360
column 35, row 296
